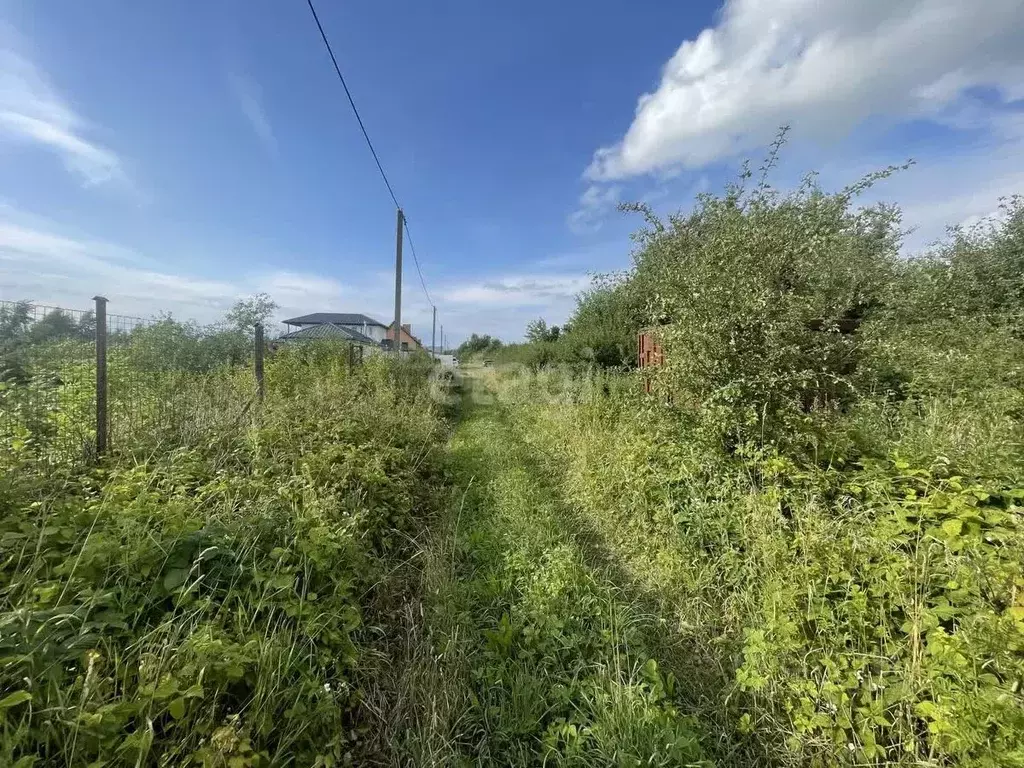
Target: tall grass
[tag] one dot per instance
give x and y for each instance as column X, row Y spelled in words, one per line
column 519, row 651
column 204, row 605
column 862, row 615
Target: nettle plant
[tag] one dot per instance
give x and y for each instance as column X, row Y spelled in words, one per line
column 755, row 294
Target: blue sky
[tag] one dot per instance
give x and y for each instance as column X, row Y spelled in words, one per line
column 177, row 156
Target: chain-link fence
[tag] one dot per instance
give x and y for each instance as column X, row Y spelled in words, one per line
column 78, row 383
column 47, row 379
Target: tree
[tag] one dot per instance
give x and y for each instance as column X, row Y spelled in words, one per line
column 248, row 312
column 537, row 330
column 750, row 292
column 15, row 320
column 476, row 344
column 87, row 326
column 603, row 327
column 56, row 324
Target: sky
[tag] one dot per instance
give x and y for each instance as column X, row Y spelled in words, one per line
column 175, row 157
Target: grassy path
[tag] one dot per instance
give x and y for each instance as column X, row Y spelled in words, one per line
column 523, row 653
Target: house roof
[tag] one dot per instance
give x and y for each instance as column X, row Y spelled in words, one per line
column 337, row 318
column 327, row 331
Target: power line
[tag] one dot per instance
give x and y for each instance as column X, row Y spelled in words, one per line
column 366, row 135
column 352, row 103
column 416, row 261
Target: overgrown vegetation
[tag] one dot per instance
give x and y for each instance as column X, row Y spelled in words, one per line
column 478, row 345
column 526, row 654
column 205, row 603
column 165, row 377
column 801, row 544
column 823, row 496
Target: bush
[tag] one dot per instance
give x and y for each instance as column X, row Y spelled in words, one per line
column 753, row 291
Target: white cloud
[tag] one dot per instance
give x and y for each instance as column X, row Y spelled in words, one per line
column 519, row 291
column 595, row 203
column 33, row 112
column 502, row 306
column 822, row 67
column 250, row 99
column 44, row 265
column 961, row 189
column 292, row 289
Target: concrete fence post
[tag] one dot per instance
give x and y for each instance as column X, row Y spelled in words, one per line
column 102, row 421
column 258, row 349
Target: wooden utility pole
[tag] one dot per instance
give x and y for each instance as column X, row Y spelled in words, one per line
column 433, row 335
column 397, row 335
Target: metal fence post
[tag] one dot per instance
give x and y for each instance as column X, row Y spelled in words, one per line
column 351, row 358
column 259, row 361
column 101, row 375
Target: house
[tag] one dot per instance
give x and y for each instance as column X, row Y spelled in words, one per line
column 409, row 342
column 341, row 325
column 328, row 331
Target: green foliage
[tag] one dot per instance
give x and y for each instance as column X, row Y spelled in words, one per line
column 168, row 345
column 537, row 331
column 864, row 615
column 603, row 329
column 975, row 272
column 478, row 345
column 754, row 288
column 15, row 320
column 825, row 497
column 246, row 314
column 204, row 605
column 540, row 660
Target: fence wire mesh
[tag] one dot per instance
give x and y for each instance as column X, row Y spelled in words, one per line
column 47, row 380
column 169, row 383
column 175, row 383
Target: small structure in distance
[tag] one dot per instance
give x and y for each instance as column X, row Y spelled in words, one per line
column 354, row 328
column 340, row 326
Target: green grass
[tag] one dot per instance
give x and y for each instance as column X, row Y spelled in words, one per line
column 527, row 655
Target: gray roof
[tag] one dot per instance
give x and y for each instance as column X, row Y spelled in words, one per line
column 327, row 331
column 337, row 318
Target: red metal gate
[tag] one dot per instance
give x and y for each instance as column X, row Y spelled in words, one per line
column 648, row 355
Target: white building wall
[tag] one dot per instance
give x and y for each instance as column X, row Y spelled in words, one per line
column 376, row 332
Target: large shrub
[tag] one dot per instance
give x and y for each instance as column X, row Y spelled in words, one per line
column 755, row 294
column 603, row 328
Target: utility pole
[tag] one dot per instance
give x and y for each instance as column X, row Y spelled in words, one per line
column 442, row 338
column 397, row 335
column 433, row 335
